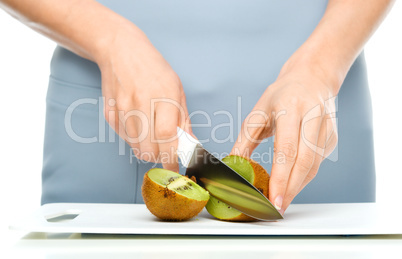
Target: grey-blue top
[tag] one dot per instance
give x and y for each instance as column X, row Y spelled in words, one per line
column 226, row 54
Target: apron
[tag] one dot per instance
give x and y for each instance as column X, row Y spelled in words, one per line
column 226, row 53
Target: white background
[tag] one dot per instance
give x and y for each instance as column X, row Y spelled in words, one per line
column 24, row 69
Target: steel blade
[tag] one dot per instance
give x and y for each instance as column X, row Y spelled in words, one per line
column 228, row 186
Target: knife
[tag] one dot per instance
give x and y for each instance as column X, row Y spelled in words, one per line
column 221, row 181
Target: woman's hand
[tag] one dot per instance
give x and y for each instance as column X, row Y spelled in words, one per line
column 299, row 110
column 299, row 107
column 144, row 98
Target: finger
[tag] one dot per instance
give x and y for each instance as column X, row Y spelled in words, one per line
column 257, row 126
column 186, row 120
column 166, row 122
column 285, row 152
column 136, row 127
column 312, row 174
column 110, row 110
column 112, row 117
column 121, row 131
column 328, row 139
column 308, row 140
column 110, row 113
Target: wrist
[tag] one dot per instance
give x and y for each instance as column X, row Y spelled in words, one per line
column 117, row 37
column 314, row 64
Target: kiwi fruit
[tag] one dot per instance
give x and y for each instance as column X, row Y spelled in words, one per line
column 252, row 172
column 171, row 196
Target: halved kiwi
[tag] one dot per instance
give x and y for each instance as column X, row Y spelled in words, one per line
column 252, row 172
column 172, row 196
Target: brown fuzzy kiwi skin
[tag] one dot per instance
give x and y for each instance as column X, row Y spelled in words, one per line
column 167, row 204
column 261, row 182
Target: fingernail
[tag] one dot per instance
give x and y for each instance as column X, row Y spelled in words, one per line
column 278, row 202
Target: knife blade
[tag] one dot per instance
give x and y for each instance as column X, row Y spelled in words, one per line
column 221, row 181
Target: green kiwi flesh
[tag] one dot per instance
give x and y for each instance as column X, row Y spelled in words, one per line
column 219, row 209
column 178, row 183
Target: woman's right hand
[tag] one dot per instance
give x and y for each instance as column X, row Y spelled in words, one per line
column 144, row 98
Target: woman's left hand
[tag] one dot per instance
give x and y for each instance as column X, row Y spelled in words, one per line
column 299, row 109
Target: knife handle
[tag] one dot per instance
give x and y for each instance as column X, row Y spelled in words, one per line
column 186, row 146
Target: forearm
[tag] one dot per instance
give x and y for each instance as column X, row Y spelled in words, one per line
column 82, row 26
column 339, row 38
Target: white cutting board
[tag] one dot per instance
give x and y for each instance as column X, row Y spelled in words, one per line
column 300, row 219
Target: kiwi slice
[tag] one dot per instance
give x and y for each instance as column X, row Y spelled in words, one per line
column 252, row 172
column 171, row 196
